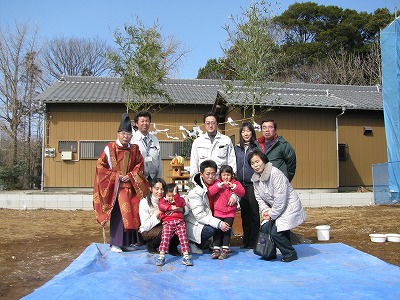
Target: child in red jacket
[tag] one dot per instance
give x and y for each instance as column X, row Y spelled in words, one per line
column 172, row 207
column 225, row 206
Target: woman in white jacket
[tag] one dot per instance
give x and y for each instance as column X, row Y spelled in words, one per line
column 278, row 203
column 150, row 224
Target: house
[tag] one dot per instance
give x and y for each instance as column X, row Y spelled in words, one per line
column 337, row 131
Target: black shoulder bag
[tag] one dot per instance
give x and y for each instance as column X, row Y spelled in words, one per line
column 265, row 246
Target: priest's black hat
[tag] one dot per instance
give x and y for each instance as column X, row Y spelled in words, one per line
column 125, row 123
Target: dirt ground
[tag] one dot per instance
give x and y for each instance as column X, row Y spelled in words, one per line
column 38, row 244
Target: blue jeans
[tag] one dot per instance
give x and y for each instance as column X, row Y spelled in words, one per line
column 206, row 233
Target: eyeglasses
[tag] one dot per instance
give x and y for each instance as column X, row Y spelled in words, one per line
column 211, row 123
column 127, row 134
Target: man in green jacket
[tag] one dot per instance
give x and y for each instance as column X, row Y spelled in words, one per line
column 279, row 152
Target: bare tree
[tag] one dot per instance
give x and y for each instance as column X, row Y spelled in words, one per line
column 373, row 65
column 31, row 81
column 20, row 76
column 344, row 67
column 76, row 57
column 13, row 48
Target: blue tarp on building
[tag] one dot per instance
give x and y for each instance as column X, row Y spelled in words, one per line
column 390, row 52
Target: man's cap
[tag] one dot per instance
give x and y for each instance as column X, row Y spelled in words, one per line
column 125, row 124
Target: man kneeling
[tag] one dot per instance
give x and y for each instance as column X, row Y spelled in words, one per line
column 201, row 225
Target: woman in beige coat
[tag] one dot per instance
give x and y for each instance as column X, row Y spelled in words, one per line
column 278, row 203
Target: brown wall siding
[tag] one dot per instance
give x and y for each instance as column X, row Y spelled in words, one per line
column 311, row 132
column 230, row 130
column 100, row 122
column 76, row 126
column 172, row 118
column 312, row 135
column 363, row 150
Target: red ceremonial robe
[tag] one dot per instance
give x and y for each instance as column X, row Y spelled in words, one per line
column 108, row 188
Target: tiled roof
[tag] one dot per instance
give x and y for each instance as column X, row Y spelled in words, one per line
column 316, row 95
column 86, row 89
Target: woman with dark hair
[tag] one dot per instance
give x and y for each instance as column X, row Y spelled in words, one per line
column 248, row 203
column 149, row 213
column 278, row 203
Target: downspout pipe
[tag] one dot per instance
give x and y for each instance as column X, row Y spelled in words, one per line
column 337, row 143
column 43, row 145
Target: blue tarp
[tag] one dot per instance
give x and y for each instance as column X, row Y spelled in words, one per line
column 323, row 271
column 390, row 50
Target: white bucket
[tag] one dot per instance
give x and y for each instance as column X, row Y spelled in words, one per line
column 323, row 232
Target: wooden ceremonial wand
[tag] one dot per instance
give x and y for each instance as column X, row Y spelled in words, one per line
column 126, row 161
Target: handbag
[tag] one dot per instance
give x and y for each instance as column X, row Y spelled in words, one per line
column 265, row 246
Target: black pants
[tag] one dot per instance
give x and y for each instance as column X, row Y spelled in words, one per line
column 223, row 238
column 281, row 239
column 250, row 216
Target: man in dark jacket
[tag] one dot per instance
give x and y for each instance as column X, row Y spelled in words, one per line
column 279, row 152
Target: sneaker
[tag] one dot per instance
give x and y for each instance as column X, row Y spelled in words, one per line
column 194, row 249
column 116, row 249
column 129, row 248
column 187, row 261
column 224, row 254
column 160, row 261
column 216, row 253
